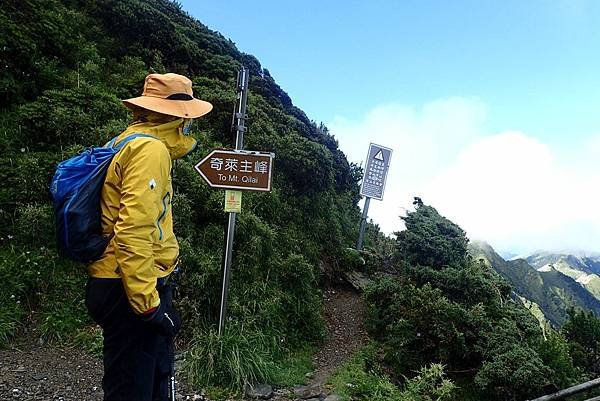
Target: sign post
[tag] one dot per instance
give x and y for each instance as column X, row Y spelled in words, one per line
column 373, row 182
column 363, row 224
column 235, row 170
column 239, row 125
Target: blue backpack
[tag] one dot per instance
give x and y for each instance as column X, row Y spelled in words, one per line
column 75, row 189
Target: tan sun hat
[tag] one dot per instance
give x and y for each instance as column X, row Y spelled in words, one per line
column 170, row 94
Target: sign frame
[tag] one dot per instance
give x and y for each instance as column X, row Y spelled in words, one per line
column 270, row 155
column 385, row 175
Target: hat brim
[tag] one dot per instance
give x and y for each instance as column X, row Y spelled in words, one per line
column 179, row 108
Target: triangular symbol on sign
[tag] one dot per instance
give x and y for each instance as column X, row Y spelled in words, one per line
column 379, row 155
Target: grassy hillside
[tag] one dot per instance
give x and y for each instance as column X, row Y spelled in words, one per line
column 582, row 268
column 554, row 292
column 67, row 65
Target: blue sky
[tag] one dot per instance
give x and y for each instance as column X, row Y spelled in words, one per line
column 446, row 79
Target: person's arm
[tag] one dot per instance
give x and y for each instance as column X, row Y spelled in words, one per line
column 144, row 181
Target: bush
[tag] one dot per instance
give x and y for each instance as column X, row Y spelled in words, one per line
column 360, row 379
column 44, row 286
column 11, row 313
column 429, row 385
column 237, row 358
column 554, row 351
column 90, row 338
column 582, row 331
column 70, row 116
column 517, row 374
column 26, row 178
column 35, row 224
column 431, row 239
column 418, row 326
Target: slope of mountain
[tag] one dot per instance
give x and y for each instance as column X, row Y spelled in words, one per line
column 583, row 268
column 553, row 291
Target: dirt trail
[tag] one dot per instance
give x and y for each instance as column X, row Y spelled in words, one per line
column 345, row 332
column 30, row 371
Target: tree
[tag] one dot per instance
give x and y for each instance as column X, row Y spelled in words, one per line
column 444, row 307
column 431, row 239
column 582, row 331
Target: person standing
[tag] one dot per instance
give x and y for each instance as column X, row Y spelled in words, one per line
column 128, row 293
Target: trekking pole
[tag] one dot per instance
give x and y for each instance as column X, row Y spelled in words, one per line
column 170, row 292
column 172, row 371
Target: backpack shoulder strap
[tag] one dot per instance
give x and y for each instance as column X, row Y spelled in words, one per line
column 128, row 138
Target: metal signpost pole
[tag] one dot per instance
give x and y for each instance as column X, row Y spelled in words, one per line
column 363, row 224
column 239, row 118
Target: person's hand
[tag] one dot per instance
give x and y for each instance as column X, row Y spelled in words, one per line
column 165, row 320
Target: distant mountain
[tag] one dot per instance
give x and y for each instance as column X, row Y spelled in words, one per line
column 553, row 291
column 580, row 266
column 507, row 255
column 573, row 263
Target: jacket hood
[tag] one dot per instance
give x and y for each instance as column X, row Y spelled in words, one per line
column 169, row 133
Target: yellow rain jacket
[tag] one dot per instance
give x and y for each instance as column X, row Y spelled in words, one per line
column 136, row 211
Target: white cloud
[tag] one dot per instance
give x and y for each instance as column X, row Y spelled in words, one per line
column 507, row 188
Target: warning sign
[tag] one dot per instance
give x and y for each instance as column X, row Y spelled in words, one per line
column 376, row 169
column 233, row 201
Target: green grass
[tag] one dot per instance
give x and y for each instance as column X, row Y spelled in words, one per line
column 222, row 366
column 362, row 379
column 11, row 314
column 36, row 282
column 236, row 358
column 90, row 339
column 292, row 368
column 356, row 381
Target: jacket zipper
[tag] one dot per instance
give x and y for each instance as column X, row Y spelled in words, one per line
column 165, row 199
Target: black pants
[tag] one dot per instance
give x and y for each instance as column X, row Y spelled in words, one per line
column 137, row 358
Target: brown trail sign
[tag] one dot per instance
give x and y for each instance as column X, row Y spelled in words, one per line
column 236, row 170
column 243, row 170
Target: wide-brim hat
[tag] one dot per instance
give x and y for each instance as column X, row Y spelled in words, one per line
column 169, row 94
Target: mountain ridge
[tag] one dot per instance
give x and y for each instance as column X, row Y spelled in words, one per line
column 553, row 291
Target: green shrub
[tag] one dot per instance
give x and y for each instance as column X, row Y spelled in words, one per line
column 45, row 286
column 35, row 224
column 351, row 259
column 582, row 331
column 429, row 385
column 554, row 351
column 360, row 379
column 90, row 338
column 236, row 358
column 26, row 177
column 292, row 367
column 431, row 239
column 11, row 313
column 70, row 116
column 58, row 323
column 516, row 374
column 418, row 325
column 62, row 312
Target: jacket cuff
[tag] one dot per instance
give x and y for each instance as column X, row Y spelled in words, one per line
column 151, row 314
